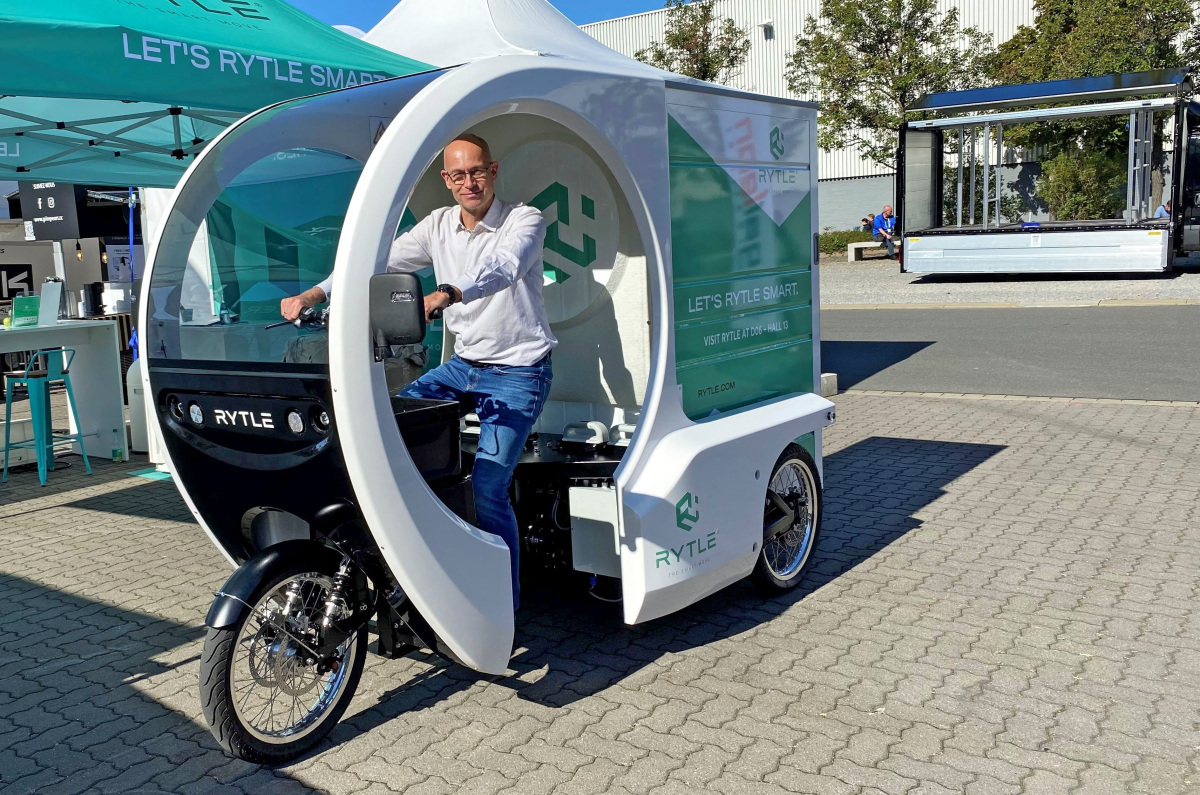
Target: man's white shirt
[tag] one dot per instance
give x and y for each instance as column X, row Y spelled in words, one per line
column 497, row 266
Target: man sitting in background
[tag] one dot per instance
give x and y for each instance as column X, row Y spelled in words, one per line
column 884, row 230
column 1164, row 210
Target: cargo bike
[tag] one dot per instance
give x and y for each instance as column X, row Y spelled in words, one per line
column 679, row 450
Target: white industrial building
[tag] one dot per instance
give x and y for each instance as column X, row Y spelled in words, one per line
column 850, row 186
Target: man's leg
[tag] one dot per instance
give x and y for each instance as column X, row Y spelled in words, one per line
column 508, row 401
column 891, row 247
column 447, row 381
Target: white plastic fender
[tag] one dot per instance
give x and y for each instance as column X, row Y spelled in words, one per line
column 693, row 515
column 455, row 574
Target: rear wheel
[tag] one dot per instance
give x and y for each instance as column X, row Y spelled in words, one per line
column 265, row 694
column 791, row 522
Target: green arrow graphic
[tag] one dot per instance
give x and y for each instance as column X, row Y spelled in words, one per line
column 558, row 195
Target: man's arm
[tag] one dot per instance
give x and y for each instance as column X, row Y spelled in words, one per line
column 519, row 250
column 409, row 252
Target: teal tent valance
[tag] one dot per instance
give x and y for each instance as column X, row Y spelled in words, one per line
column 125, row 93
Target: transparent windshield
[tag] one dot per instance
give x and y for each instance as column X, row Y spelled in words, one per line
column 259, row 220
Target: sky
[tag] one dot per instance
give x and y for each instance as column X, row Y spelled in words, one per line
column 364, row 14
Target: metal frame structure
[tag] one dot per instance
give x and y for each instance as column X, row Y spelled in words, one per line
column 940, row 239
column 92, row 144
column 1141, row 149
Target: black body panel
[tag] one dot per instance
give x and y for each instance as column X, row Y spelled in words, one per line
column 250, row 467
column 250, row 459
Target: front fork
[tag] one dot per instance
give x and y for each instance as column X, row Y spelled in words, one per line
column 346, row 608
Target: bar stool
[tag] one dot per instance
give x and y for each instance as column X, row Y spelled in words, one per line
column 36, row 380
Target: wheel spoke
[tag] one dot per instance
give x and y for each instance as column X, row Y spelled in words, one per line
column 786, row 549
column 277, row 695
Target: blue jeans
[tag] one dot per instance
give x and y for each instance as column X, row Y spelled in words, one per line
column 508, row 401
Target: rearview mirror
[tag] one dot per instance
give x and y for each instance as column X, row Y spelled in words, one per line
column 397, row 312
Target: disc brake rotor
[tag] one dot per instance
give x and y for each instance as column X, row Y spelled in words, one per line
column 293, row 674
column 260, row 661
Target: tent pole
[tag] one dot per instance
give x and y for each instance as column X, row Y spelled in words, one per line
column 132, row 256
column 178, row 137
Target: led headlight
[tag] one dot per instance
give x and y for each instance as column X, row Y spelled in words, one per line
column 295, row 422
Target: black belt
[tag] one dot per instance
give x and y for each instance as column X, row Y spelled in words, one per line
column 474, row 363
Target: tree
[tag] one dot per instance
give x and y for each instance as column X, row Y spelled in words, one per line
column 1082, row 186
column 868, row 62
column 1088, row 38
column 698, row 44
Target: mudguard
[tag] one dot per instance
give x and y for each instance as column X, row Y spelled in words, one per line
column 233, row 599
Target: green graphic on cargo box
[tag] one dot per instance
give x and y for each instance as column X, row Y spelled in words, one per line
column 559, row 196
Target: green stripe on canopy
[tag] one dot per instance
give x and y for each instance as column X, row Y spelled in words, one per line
column 123, row 92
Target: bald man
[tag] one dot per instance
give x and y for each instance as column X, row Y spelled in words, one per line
column 884, row 228
column 487, row 256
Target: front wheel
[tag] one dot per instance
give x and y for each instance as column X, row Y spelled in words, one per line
column 266, row 695
column 791, row 522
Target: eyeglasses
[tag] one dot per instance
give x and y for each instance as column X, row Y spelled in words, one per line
column 475, row 175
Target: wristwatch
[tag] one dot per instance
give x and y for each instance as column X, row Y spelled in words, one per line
column 448, row 290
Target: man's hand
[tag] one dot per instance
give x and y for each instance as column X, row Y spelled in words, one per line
column 438, row 300
column 291, row 308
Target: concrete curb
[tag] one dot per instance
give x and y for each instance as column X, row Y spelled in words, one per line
column 1107, row 302
column 1191, row 404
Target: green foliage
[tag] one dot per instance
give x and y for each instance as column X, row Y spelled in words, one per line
column 1082, row 38
column 1083, row 186
column 1088, row 38
column 870, row 61
column 698, row 44
column 835, row 242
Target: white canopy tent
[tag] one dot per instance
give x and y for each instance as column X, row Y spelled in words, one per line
column 429, row 31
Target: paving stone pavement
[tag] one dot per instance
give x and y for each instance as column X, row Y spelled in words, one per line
column 1004, row 601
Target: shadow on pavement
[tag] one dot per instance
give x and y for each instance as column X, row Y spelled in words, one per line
column 855, row 362
column 873, row 489
column 77, row 707
column 23, row 485
column 76, row 703
column 153, row 499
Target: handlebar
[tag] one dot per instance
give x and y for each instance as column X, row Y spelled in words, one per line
column 317, row 318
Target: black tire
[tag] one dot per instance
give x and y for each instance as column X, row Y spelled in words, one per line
column 771, row 578
column 216, row 686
